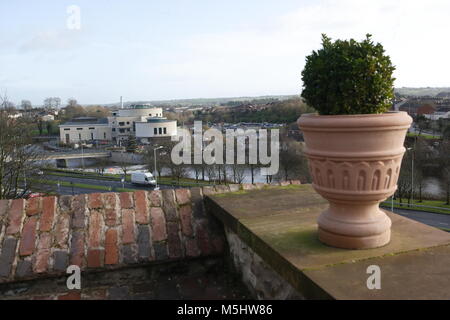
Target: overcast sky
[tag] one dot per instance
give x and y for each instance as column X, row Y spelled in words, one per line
column 151, row 50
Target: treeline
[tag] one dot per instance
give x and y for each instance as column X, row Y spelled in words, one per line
column 287, row 111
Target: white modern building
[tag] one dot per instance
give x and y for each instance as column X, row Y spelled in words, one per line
column 142, row 121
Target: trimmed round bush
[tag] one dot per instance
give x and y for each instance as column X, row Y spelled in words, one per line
column 348, row 77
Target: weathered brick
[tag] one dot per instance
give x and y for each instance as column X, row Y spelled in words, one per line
column 65, row 203
column 197, row 203
column 111, row 217
column 141, row 207
column 48, row 212
column 110, row 200
column 248, row 186
column 24, row 269
column 33, row 206
column 93, row 294
column 208, row 190
column 160, row 249
column 129, row 253
column 127, row 226
column 203, row 238
column 183, row 196
column 191, row 247
column 111, row 247
column 72, row 295
column 95, row 258
column 77, row 248
column 43, row 253
column 62, row 230
column 15, row 216
column 143, row 242
column 7, row 256
column 173, row 240
column 95, row 229
column 28, row 239
column 3, row 208
column 186, row 218
column 118, row 293
column 169, row 205
column 126, row 200
column 79, row 211
column 155, row 198
column 259, row 185
column 60, row 260
column 95, row 201
column 159, row 232
column 222, row 188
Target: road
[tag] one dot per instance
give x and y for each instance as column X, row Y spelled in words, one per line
column 111, row 183
column 432, row 219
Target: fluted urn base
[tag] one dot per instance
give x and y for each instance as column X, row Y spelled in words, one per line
column 350, row 226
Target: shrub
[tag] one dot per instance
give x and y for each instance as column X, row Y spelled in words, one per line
column 348, row 77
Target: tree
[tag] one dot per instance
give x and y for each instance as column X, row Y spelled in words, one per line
column 18, row 158
column 444, row 166
column 26, row 105
column 404, row 183
column 52, row 103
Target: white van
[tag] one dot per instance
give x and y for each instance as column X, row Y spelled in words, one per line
column 144, row 178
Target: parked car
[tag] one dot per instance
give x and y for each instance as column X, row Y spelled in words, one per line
column 143, row 178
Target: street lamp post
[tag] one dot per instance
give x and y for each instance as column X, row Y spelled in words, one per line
column 82, row 156
column 154, row 158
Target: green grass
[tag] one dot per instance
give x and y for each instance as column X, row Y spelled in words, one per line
column 423, row 135
column 429, row 203
column 185, row 182
column 84, row 186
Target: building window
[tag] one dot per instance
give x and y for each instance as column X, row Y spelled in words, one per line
column 134, row 126
column 121, row 130
column 128, row 122
column 79, row 128
column 66, row 129
column 104, row 135
column 165, row 130
column 150, row 114
column 128, row 130
column 92, row 136
column 155, row 131
column 160, row 130
column 91, row 128
column 79, row 136
column 121, row 123
column 113, row 129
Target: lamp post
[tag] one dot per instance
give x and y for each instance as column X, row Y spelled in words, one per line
column 82, row 156
column 154, row 158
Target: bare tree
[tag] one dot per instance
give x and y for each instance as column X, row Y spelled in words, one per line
column 444, row 166
column 18, row 158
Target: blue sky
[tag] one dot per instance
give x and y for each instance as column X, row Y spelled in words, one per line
column 151, row 50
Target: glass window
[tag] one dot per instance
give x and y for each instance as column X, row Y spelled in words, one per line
column 155, row 131
column 160, row 130
column 165, row 130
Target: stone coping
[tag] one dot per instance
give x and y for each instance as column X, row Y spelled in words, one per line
column 279, row 224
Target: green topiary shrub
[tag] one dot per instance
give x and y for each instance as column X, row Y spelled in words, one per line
column 348, row 77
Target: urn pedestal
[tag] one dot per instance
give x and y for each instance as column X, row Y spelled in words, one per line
column 355, row 161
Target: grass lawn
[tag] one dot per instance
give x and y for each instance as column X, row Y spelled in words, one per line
column 423, row 135
column 185, row 182
column 84, row 186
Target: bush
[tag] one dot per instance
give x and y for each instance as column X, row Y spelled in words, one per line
column 348, row 77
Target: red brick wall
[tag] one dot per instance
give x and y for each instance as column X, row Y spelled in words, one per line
column 42, row 236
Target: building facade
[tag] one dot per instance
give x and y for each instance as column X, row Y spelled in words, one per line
column 142, row 121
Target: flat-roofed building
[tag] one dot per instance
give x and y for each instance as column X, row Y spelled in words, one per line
column 85, row 129
column 155, row 128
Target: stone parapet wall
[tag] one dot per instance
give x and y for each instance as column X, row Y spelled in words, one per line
column 43, row 236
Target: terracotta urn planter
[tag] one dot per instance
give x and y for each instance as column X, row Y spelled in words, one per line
column 354, row 161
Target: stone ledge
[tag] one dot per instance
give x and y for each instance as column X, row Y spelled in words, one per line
column 279, row 224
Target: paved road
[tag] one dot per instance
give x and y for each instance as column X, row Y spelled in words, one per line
column 113, row 184
column 433, row 219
